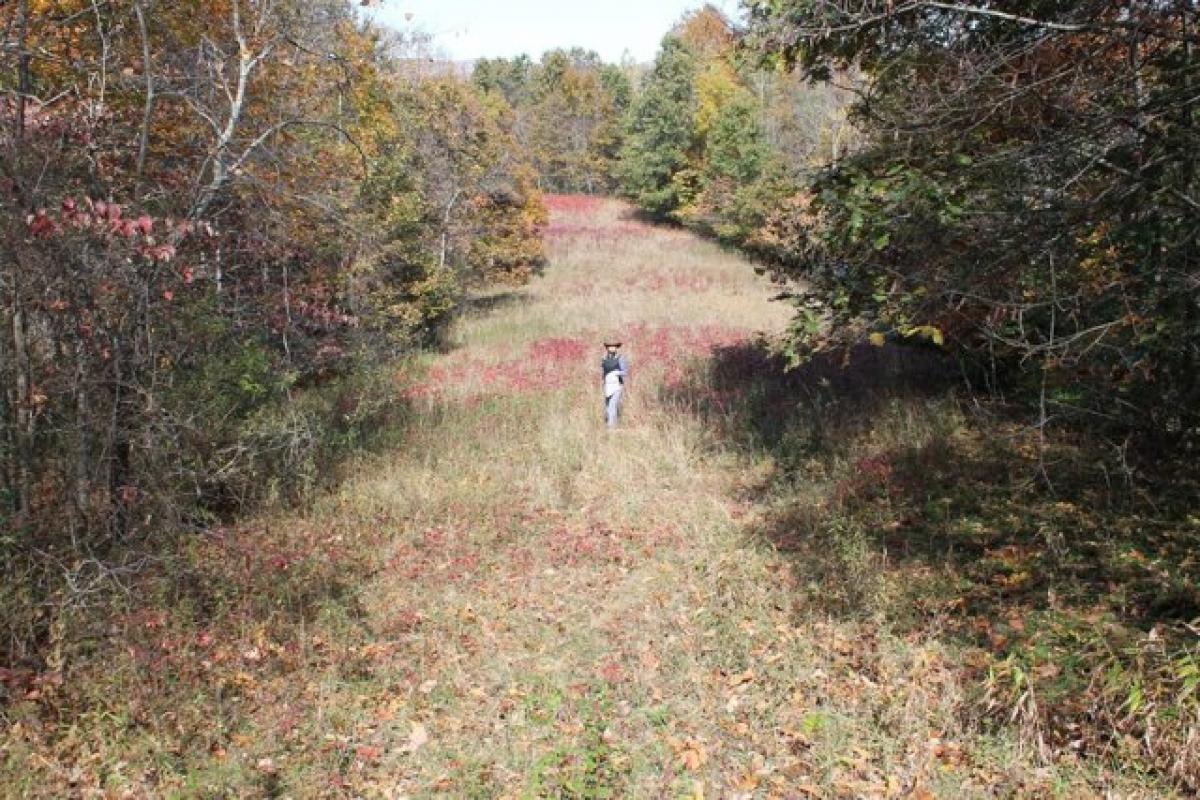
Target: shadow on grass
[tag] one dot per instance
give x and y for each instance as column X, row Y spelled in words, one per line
column 894, row 499
column 637, row 214
column 486, row 304
column 748, row 395
column 474, row 307
column 877, row 441
column 298, row 571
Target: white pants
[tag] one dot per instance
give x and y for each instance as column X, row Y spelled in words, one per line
column 612, row 407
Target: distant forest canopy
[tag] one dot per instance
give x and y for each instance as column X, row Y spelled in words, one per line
column 568, row 112
column 587, row 125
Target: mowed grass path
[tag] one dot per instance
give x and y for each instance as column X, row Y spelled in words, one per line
column 573, row 613
column 516, row 603
column 575, row 609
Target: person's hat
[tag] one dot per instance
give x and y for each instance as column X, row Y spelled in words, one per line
column 612, row 342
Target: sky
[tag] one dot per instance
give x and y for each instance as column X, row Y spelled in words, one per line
column 469, row 29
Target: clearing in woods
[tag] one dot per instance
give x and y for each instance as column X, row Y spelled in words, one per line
column 516, row 603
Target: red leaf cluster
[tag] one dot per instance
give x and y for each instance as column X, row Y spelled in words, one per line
column 557, row 362
column 572, row 203
column 107, row 219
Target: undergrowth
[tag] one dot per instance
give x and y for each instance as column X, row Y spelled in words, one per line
column 839, row 582
column 1067, row 577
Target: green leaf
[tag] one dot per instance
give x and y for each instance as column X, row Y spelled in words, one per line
column 857, row 219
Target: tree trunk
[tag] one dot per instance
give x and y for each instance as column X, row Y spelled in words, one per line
column 23, row 429
column 23, row 78
column 148, row 109
column 8, row 404
column 15, row 444
column 84, row 469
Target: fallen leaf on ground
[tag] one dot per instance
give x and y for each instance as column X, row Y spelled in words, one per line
column 417, row 739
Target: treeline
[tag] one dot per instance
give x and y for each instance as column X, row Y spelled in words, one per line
column 1027, row 188
column 216, row 216
column 568, row 113
column 706, row 136
column 719, row 143
column 1018, row 184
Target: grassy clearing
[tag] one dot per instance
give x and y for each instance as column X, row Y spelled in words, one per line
column 517, row 603
column 1069, row 595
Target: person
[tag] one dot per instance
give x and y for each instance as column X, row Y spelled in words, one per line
column 615, row 371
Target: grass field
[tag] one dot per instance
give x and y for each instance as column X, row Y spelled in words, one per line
column 516, row 603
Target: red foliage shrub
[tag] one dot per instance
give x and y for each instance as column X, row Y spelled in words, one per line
column 558, row 350
column 572, row 203
column 871, row 477
column 600, row 233
column 558, row 362
column 569, row 546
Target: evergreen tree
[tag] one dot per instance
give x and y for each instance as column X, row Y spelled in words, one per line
column 661, row 131
column 736, row 175
column 508, row 77
column 735, row 148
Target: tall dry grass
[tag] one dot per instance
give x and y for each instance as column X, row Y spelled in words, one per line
column 518, row 603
